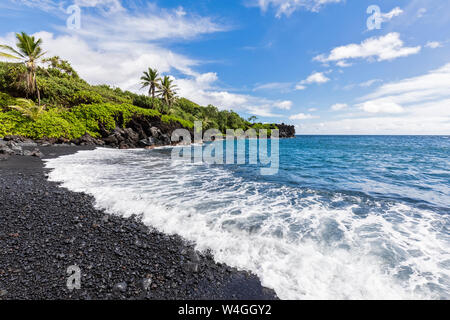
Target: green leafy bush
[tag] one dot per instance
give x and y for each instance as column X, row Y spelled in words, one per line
column 6, row 100
column 55, row 123
column 85, row 97
column 110, row 115
column 185, row 123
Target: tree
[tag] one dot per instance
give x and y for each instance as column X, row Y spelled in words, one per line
column 59, row 67
column 151, row 79
column 252, row 119
column 29, row 109
column 29, row 51
column 167, row 90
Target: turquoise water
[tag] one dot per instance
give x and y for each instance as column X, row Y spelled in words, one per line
column 346, row 217
column 412, row 169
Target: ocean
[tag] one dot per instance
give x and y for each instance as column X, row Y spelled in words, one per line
column 345, row 217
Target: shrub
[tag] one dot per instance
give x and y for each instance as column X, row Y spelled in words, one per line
column 11, row 123
column 28, row 108
column 54, row 124
column 185, row 123
column 6, row 100
column 110, row 115
column 85, row 97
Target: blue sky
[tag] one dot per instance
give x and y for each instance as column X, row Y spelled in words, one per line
column 312, row 63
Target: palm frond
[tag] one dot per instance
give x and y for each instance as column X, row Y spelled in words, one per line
column 11, row 50
column 29, row 109
column 7, row 55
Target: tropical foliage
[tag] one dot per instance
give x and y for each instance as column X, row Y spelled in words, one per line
column 29, row 52
column 73, row 107
column 167, row 90
column 151, row 80
column 28, row 108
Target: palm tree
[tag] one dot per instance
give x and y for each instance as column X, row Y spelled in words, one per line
column 151, row 79
column 29, row 109
column 29, row 51
column 253, row 119
column 167, row 90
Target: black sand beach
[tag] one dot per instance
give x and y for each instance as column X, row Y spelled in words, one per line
column 44, row 229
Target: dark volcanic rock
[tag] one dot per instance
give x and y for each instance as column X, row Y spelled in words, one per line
column 33, row 153
column 286, row 131
column 88, row 140
column 46, row 229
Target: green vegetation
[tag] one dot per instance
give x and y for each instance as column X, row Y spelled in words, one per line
column 167, row 91
column 28, row 109
column 29, row 51
column 60, row 104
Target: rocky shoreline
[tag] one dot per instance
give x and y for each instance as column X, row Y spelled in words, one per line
column 45, row 229
column 141, row 132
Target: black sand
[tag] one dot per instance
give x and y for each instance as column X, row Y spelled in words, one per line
column 44, row 229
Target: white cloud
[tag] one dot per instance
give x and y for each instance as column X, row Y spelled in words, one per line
column 312, row 109
column 433, row 44
column 302, row 116
column 287, row 7
column 114, row 47
column 421, row 12
column 202, row 90
column 284, row 105
column 279, row 86
column 339, row 106
column 117, row 66
column 343, row 64
column 381, row 106
column 383, row 48
column 418, row 105
column 433, row 86
column 315, row 77
column 113, row 22
column 369, row 83
column 393, row 13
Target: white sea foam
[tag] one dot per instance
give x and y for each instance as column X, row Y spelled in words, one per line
column 298, row 242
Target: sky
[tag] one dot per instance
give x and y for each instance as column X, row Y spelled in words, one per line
column 325, row 66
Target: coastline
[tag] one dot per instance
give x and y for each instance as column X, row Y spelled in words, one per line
column 46, row 228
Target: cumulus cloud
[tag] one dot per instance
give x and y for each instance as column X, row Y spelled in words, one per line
column 202, row 89
column 381, row 106
column 115, row 45
column 300, row 87
column 284, row 105
column 433, row 86
column 433, row 44
column 339, row 106
column 117, row 66
column 388, row 47
column 287, row 7
column 302, row 116
column 417, row 105
column 316, row 77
